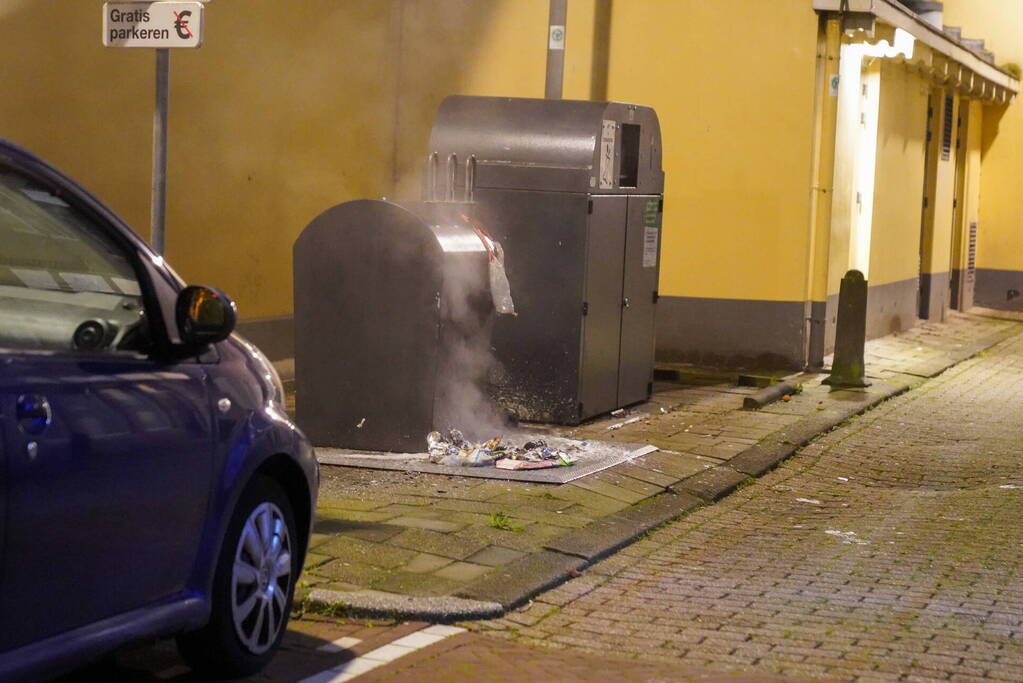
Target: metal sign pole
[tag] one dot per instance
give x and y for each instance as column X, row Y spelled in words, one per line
column 159, row 207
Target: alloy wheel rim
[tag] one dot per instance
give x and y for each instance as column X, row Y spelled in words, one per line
column 260, row 578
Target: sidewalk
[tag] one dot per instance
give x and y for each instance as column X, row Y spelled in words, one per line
column 445, row 547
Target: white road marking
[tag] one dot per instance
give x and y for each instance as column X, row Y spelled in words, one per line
column 339, row 645
column 382, row 655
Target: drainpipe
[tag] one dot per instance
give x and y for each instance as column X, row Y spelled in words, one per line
column 823, row 172
column 556, row 49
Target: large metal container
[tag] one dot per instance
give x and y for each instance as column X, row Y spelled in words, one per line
column 391, row 302
column 574, row 192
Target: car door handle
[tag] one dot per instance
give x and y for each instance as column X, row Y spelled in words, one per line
column 33, row 413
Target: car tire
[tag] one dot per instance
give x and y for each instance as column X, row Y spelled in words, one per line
column 252, row 588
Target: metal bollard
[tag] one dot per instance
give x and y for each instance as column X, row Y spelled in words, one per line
column 847, row 369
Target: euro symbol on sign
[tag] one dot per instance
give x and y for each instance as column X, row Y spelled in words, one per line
column 181, row 24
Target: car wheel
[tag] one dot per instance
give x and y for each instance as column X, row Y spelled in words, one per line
column 252, row 588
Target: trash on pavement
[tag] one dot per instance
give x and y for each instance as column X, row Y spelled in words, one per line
column 631, row 420
column 455, row 451
column 847, row 537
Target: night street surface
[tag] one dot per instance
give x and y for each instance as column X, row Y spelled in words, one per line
column 888, row 549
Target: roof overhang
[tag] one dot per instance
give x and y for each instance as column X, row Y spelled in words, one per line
column 958, row 66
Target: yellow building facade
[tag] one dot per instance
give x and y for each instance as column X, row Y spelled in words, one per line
column 800, row 141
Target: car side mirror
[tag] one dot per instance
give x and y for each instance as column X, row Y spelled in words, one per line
column 204, row 315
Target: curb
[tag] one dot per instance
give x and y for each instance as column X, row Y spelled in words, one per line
column 563, row 558
column 377, row 604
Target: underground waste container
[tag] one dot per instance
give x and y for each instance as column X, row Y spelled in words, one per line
column 574, row 192
column 393, row 311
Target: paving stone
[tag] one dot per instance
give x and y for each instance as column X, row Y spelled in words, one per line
column 443, row 544
column 376, row 532
column 333, row 514
column 463, row 571
column 357, row 550
column 648, row 475
column 397, row 509
column 425, row 562
column 516, row 540
column 535, row 502
column 427, row 523
column 495, row 556
column 679, row 465
column 357, row 573
column 480, row 507
column 605, row 488
column 407, row 583
column 313, row 559
column 350, row 504
column 593, row 500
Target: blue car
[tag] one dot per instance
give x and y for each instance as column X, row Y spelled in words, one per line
column 151, row 483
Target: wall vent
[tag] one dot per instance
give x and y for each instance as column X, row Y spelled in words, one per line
column 946, row 131
column 971, row 254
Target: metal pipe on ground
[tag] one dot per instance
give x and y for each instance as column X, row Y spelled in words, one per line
column 769, row 395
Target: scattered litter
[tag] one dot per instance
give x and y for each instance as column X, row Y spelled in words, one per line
column 455, row 451
column 786, row 398
column 509, row 464
column 574, row 573
column 361, row 422
column 619, row 425
column 811, row 501
column 1009, row 486
column 664, row 450
column 616, row 413
column 848, row 537
column 843, row 478
column 663, row 411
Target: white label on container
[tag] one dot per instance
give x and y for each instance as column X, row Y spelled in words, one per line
column 607, row 155
column 557, row 38
column 650, row 236
column 651, row 231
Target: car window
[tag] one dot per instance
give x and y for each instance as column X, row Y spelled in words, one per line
column 64, row 284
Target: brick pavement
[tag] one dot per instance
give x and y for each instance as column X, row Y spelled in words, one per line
column 430, row 535
column 471, row 657
column 888, row 549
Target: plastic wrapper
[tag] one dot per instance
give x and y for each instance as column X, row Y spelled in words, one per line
column 500, row 290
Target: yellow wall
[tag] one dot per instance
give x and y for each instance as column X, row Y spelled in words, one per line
column 1000, row 23
column 280, row 115
column 899, row 175
column 737, row 133
column 284, row 113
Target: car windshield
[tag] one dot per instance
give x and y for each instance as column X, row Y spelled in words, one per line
column 58, row 272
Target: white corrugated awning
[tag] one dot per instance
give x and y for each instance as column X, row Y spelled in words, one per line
column 957, row 65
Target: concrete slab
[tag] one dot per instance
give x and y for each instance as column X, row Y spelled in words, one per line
column 596, row 456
